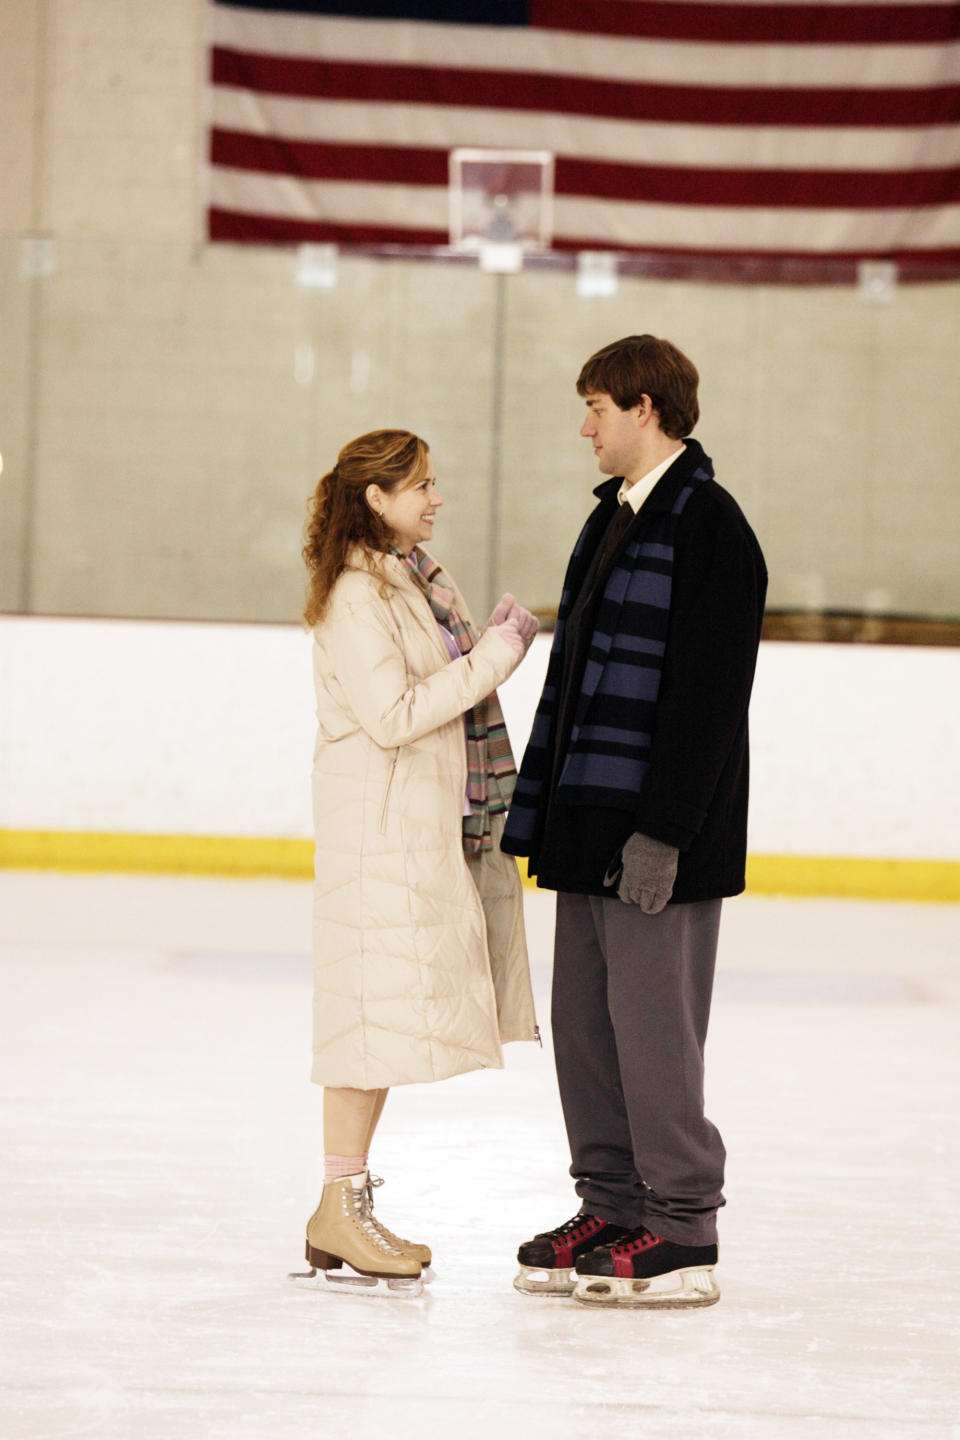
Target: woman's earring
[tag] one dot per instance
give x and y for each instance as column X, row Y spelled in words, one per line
column 370, row 499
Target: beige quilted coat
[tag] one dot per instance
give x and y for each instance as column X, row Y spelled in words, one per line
column 414, row 978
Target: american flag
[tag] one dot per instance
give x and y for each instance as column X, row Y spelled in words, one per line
column 759, row 134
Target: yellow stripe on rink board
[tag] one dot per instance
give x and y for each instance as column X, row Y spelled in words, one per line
column 866, row 879
column 168, row 854
column 935, row 880
column 251, row 855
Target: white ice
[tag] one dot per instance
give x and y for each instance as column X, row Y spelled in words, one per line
column 161, row 1155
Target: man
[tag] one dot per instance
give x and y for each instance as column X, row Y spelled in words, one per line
column 631, row 803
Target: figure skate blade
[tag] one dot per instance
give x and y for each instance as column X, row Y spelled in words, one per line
column 383, row 1286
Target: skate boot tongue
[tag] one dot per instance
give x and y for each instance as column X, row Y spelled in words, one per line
column 417, row 1249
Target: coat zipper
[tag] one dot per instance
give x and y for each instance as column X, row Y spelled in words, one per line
column 386, row 793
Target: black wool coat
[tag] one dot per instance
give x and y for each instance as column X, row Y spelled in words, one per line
column 694, row 794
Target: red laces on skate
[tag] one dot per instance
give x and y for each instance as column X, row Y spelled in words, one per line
column 646, row 1240
column 579, row 1228
column 565, row 1237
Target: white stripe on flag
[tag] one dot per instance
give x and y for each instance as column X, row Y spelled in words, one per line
column 335, row 202
column 725, row 147
column 613, row 222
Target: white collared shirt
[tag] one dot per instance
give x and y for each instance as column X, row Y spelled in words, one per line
column 634, row 495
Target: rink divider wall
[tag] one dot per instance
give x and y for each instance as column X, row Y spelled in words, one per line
column 151, row 745
column 288, row 859
column 228, row 855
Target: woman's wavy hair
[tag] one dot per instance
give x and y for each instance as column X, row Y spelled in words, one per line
column 641, row 365
column 339, row 516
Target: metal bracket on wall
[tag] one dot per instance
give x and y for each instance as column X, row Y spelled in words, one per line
column 38, row 257
column 877, row 282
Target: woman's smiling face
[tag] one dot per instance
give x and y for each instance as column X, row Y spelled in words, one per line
column 410, row 512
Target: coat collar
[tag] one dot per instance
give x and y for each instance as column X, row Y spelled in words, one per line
column 382, row 566
column 663, row 496
column 389, row 571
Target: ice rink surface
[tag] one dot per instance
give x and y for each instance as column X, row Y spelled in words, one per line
column 162, row 1153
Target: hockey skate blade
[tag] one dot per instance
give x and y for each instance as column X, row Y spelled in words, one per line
column 679, row 1290
column 394, row 1287
column 534, row 1280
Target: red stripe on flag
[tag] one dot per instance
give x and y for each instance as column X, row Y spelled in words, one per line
column 809, row 24
column 573, row 95
column 318, row 160
column 238, row 225
column 760, row 189
column 651, row 184
column 784, row 264
column 746, row 266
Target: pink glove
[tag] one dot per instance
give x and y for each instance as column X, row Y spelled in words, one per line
column 503, row 607
column 508, row 609
column 526, row 623
column 512, row 636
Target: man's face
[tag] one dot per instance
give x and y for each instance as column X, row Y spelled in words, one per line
column 615, row 434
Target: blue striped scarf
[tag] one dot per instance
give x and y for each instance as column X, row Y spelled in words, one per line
column 607, row 753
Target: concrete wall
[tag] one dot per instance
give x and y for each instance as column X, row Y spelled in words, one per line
column 166, row 406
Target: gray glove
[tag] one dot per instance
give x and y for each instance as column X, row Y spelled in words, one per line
column 646, row 873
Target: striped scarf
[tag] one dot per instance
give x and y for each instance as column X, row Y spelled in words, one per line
column 491, row 773
column 607, row 752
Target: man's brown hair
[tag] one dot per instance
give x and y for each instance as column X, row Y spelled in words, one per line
column 642, row 365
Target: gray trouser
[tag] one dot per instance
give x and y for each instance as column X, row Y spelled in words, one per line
column 631, row 1002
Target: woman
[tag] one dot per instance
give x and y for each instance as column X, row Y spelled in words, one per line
column 420, row 959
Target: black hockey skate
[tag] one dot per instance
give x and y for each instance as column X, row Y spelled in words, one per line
column 643, row 1271
column 547, row 1261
